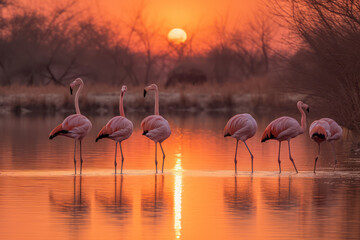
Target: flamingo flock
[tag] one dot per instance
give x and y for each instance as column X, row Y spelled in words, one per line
column 155, row 127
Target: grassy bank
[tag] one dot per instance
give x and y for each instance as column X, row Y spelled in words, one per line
column 104, row 99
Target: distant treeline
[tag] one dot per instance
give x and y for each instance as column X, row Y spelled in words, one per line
column 39, row 48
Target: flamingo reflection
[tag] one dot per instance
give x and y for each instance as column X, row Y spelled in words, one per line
column 280, row 196
column 75, row 207
column 153, row 203
column 239, row 198
column 118, row 205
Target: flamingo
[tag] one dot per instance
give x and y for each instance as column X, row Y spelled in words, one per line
column 119, row 128
column 286, row 128
column 241, row 127
column 75, row 126
column 155, row 126
column 325, row 129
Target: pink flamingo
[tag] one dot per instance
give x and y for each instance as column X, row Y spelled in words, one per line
column 286, row 128
column 75, row 126
column 119, row 128
column 241, row 127
column 155, row 126
column 325, row 129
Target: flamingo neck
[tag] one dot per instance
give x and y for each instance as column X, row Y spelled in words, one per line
column 156, row 102
column 303, row 119
column 121, row 105
column 77, row 99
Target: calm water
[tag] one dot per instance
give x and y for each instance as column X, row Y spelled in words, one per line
column 198, row 196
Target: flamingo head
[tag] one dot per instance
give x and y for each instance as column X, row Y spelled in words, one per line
column 152, row 87
column 123, row 90
column 76, row 82
column 302, row 105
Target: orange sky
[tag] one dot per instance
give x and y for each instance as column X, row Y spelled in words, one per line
column 183, row 14
column 194, row 16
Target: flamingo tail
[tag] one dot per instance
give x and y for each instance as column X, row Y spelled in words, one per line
column 101, row 136
column 267, row 135
column 56, row 131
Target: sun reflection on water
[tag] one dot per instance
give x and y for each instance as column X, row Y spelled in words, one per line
column 177, row 196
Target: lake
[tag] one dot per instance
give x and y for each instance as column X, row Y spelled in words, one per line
column 198, row 196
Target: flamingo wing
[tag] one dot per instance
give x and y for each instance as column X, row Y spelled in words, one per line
column 118, row 128
column 156, row 128
column 75, row 126
column 335, row 129
column 241, row 126
column 282, row 128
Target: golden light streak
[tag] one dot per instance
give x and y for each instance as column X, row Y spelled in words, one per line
column 177, row 196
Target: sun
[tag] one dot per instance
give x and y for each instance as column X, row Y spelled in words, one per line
column 177, row 36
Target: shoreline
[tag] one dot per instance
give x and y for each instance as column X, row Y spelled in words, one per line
column 108, row 103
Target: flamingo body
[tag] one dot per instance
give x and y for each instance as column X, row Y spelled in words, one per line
column 325, row 129
column 118, row 129
column 286, row 128
column 241, row 127
column 156, row 128
column 281, row 129
column 335, row 129
column 319, row 131
column 75, row 126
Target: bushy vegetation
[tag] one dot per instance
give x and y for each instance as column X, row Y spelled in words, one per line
column 326, row 66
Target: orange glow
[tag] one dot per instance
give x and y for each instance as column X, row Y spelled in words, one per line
column 200, row 18
column 177, row 36
column 197, row 197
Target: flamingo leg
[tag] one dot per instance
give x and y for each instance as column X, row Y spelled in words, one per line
column 292, row 160
column 317, row 157
column 279, row 157
column 115, row 163
column 81, row 160
column 333, row 151
column 252, row 157
column 122, row 158
column 75, row 157
column 235, row 161
column 156, row 156
column 162, row 169
column 115, row 189
column 121, row 187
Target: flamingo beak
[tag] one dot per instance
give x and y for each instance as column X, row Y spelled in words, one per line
column 70, row 90
column 308, row 109
column 145, row 92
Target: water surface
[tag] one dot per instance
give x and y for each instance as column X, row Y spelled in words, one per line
column 198, row 196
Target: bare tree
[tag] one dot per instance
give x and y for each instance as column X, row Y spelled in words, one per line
column 146, row 36
column 327, row 65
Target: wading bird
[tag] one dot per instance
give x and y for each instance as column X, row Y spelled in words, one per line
column 119, row 128
column 286, row 128
column 155, row 126
column 325, row 129
column 241, row 127
column 75, row 126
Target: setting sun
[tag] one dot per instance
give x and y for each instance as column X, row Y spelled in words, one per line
column 177, row 36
